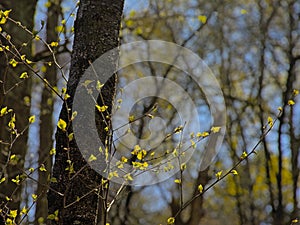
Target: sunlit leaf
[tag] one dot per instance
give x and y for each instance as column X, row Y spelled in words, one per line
column 13, row 213
column 4, row 15
column 102, row 108
column 177, row 181
column 62, row 124
column 3, row 111
column 54, row 44
column 200, row 188
column 71, row 136
column 141, row 154
column 291, row 102
column 13, row 63
column 244, row 11
column 202, row 19
column 42, row 168
column 99, row 85
column 31, row 119
column 244, row 155
column 215, row 129
column 171, row 220
column 219, row 174
column 2, row 180
column 182, row 166
column 59, row 29
column 131, row 118
column 24, row 75
column 52, row 151
column 270, row 121
column 234, row 172
column 178, row 129
column 92, row 158
column 24, row 210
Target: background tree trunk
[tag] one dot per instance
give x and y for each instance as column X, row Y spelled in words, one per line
column 17, row 99
column 46, row 116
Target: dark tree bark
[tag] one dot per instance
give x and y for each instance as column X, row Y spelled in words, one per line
column 96, row 32
column 22, row 11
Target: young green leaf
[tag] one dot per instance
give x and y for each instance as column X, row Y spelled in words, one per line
column 62, row 124
column 31, row 119
column 200, row 188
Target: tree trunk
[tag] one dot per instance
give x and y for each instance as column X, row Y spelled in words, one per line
column 17, row 99
column 46, row 117
column 96, row 32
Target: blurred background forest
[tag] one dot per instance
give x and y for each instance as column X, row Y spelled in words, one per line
column 253, row 49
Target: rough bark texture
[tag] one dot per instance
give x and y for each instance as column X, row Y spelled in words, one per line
column 96, row 32
column 22, row 11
